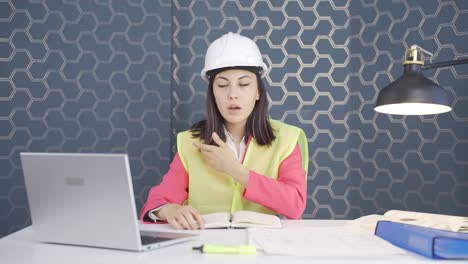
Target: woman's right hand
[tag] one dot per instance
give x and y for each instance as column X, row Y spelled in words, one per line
column 181, row 216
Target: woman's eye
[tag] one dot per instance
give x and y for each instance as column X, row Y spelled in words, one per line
column 244, row 84
column 222, row 85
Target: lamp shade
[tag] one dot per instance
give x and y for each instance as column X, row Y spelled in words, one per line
column 412, row 94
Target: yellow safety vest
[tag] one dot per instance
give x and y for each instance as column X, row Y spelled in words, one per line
column 211, row 191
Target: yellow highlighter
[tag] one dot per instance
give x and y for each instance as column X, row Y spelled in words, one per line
column 213, row 249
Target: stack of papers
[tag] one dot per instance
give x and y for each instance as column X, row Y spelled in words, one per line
column 437, row 221
column 321, row 242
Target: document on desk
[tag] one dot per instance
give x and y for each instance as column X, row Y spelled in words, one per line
column 321, row 242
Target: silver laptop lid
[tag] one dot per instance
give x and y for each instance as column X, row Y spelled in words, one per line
column 82, row 199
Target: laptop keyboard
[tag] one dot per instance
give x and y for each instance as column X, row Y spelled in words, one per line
column 146, row 240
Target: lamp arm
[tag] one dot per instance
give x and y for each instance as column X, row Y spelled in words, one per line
column 444, row 64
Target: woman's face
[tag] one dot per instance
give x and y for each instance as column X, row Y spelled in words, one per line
column 235, row 93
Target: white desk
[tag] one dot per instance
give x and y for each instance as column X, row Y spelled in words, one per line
column 22, row 247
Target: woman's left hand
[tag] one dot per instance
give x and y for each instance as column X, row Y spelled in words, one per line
column 220, row 157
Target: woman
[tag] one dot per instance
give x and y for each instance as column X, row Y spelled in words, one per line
column 236, row 159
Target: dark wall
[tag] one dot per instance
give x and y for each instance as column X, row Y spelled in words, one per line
column 123, row 77
column 328, row 61
column 83, row 76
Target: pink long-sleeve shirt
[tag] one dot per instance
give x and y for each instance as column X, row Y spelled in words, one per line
column 285, row 195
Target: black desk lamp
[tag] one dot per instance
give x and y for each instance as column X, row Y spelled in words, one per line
column 413, row 93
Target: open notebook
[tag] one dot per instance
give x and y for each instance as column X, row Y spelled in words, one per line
column 241, row 219
column 437, row 221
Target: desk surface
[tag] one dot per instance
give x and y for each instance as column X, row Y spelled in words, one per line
column 22, row 247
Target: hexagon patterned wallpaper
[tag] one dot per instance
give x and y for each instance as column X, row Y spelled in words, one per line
column 123, row 76
column 83, row 76
column 328, row 60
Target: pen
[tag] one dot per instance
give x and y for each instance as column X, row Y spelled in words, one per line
column 213, row 249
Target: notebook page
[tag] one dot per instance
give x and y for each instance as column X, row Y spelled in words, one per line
column 250, row 219
column 216, row 220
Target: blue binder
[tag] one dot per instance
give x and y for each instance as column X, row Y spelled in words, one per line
column 429, row 242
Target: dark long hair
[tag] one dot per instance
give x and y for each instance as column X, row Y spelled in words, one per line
column 257, row 125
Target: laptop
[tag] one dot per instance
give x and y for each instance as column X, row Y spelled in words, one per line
column 87, row 200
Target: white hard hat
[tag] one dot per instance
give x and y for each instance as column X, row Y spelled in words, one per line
column 231, row 50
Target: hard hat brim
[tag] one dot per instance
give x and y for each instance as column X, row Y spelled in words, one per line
column 206, row 69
